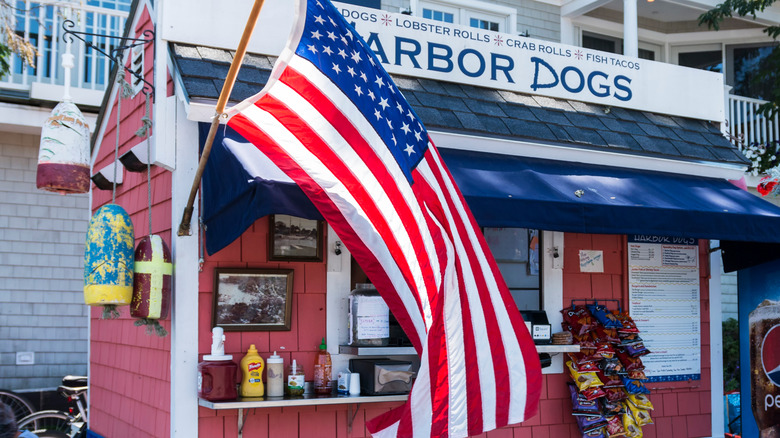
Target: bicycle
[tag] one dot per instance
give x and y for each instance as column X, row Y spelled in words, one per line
column 60, row 424
column 18, row 404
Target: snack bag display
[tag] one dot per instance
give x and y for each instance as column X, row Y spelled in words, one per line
column 616, row 394
column 636, row 349
column 628, row 324
column 637, row 375
column 582, row 363
column 609, row 408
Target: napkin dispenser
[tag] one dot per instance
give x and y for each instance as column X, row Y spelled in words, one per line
column 383, row 376
column 538, row 325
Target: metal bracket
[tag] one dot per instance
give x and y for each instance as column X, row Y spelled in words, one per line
column 586, row 301
column 116, row 52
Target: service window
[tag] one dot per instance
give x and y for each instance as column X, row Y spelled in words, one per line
column 516, row 251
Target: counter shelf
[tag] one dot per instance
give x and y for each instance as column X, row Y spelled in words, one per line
column 406, row 351
column 306, row 400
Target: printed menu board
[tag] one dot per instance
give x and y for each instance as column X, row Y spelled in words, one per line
column 663, row 292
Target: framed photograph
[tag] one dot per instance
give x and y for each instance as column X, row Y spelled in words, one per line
column 252, row 299
column 294, row 239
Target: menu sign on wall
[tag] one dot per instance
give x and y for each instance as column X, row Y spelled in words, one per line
column 663, row 288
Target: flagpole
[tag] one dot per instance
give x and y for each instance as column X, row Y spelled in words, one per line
column 230, row 80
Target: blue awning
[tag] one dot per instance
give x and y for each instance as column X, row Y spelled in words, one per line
column 509, row 191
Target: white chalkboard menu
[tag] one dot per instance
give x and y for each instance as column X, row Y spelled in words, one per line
column 663, row 292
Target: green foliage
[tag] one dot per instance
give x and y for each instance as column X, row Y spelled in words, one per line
column 769, row 72
column 5, row 52
column 730, row 355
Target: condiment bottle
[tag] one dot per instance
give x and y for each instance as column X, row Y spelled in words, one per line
column 252, row 369
column 217, row 373
column 322, row 374
column 295, row 379
column 275, row 375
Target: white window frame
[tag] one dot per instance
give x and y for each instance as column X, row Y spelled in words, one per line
column 464, row 10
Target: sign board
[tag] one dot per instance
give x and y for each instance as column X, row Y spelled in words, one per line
column 414, row 46
column 663, row 294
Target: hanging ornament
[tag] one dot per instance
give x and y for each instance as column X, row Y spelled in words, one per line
column 108, row 260
column 151, row 283
column 63, row 157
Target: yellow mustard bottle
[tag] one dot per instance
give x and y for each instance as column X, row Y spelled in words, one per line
column 252, row 369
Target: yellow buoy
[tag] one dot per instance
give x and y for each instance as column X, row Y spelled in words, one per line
column 108, row 258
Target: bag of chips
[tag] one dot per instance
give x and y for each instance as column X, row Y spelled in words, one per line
column 637, row 375
column 595, row 433
column 628, row 325
column 641, row 416
column 615, row 427
column 610, row 367
column 583, row 380
column 636, row 349
column 589, row 423
column 604, row 351
column 581, row 362
column 579, row 319
column 612, row 381
column 629, row 363
column 631, row 428
column 604, row 316
column 615, row 394
column 593, row 393
column 641, row 401
column 608, row 335
column 610, row 408
column 581, row 405
column 634, row 386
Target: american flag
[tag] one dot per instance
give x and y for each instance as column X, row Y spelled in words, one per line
column 333, row 120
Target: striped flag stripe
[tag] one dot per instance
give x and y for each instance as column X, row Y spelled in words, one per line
column 479, row 322
column 518, row 392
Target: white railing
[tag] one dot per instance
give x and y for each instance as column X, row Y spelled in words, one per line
column 746, row 126
column 41, row 24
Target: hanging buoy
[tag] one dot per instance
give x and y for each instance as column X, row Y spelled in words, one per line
column 151, row 283
column 63, row 157
column 108, row 259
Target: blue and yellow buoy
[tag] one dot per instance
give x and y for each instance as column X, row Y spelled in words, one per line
column 108, row 259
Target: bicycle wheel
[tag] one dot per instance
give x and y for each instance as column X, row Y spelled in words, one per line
column 20, row 407
column 52, row 424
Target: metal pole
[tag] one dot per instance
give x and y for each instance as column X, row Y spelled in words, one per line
column 184, row 226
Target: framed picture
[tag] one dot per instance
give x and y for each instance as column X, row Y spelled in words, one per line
column 294, row 239
column 252, row 299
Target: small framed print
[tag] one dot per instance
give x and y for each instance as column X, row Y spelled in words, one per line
column 252, row 299
column 294, row 239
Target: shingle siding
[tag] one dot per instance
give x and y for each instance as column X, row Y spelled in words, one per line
column 41, row 272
